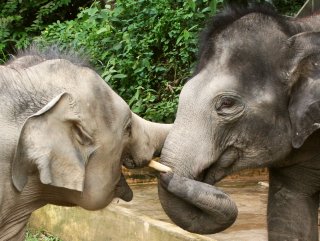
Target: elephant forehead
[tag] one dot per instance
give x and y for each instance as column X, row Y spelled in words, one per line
column 264, row 96
column 210, row 81
column 221, row 83
column 199, row 93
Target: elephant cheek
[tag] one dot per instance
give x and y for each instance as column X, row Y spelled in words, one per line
column 94, row 201
column 100, row 187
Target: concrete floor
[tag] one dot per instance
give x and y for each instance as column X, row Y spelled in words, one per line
column 143, row 218
column 250, row 197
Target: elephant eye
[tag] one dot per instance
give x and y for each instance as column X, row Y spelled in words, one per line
column 228, row 105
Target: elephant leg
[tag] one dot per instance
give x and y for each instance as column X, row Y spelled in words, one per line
column 292, row 206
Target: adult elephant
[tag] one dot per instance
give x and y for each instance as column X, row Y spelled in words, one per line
column 253, row 102
column 64, row 134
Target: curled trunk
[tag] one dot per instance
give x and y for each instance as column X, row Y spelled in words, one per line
column 195, row 206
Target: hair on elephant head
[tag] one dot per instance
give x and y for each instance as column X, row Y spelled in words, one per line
column 64, row 136
column 253, row 102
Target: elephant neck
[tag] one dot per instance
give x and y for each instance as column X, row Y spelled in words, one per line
column 310, row 151
column 307, row 154
column 311, row 162
column 14, row 227
column 16, row 208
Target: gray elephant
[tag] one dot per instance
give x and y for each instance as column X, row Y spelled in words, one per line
column 253, row 102
column 64, row 136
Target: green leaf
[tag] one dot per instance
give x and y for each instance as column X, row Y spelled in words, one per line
column 103, row 30
column 119, row 76
column 213, row 6
column 192, row 4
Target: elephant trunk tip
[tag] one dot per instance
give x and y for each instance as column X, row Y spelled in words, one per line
column 195, row 206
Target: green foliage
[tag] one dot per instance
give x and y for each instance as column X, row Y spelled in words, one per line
column 144, row 49
column 33, row 235
column 21, row 20
column 288, row 7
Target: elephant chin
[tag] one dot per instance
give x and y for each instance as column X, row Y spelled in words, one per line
column 195, row 206
column 123, row 190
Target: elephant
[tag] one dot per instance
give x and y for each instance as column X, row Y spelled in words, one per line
column 65, row 135
column 253, row 102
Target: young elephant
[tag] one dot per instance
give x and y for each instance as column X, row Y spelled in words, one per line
column 64, row 133
column 253, row 102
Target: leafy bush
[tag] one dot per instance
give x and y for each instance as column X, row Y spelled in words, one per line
column 145, row 49
column 142, row 48
column 288, row 7
column 39, row 235
column 21, row 20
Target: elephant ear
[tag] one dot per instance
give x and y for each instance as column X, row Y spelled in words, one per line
column 50, row 142
column 304, row 106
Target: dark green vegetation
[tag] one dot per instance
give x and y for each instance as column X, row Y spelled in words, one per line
column 145, row 49
column 288, row 7
column 21, row 21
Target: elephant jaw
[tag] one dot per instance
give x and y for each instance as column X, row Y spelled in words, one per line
column 224, row 165
column 209, row 172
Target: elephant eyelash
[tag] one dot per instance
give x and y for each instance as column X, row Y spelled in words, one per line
column 225, row 103
column 229, row 106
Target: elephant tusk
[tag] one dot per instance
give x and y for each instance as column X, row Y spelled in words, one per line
column 158, row 166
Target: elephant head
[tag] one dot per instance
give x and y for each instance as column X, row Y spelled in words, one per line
column 77, row 140
column 255, row 97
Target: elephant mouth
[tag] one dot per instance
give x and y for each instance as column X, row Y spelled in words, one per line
column 128, row 161
column 123, row 190
column 221, row 168
column 211, row 175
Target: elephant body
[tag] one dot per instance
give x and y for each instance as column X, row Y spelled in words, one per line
column 64, row 137
column 253, row 102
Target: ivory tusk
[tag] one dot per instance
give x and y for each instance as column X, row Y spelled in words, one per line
column 264, row 184
column 158, row 166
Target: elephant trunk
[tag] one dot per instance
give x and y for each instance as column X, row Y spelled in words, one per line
column 191, row 204
column 146, row 142
column 158, row 134
column 195, row 206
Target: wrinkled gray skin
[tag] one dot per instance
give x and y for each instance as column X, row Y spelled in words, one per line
column 254, row 102
column 64, row 134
